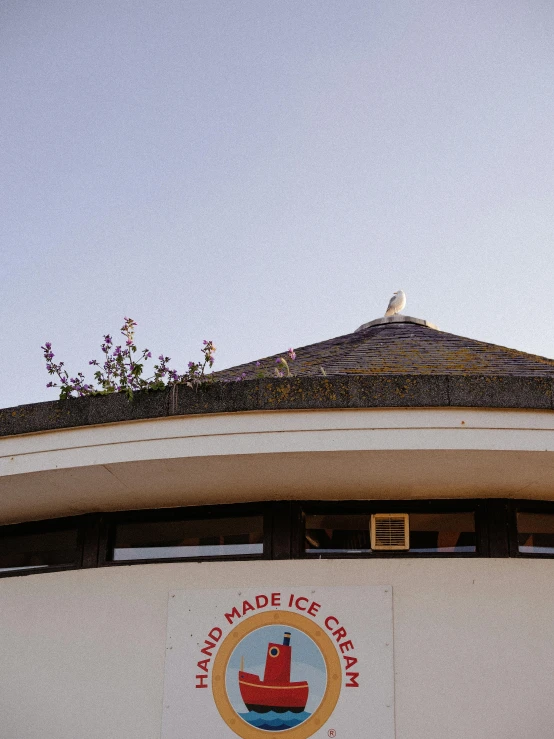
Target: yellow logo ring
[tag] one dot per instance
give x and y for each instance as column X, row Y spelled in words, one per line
column 332, row 664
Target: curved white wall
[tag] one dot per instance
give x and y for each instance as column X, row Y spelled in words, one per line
column 83, row 651
column 363, row 453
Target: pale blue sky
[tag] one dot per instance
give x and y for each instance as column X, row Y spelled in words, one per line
column 266, row 174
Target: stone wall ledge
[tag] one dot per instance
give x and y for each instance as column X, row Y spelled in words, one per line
column 296, row 393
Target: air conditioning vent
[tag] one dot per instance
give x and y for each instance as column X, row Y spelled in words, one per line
column 390, row 531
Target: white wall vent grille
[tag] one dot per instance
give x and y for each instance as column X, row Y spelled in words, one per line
column 390, row 531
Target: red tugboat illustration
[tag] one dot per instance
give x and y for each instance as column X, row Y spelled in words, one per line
column 275, row 692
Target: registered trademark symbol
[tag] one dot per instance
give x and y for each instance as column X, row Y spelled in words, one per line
column 331, row 733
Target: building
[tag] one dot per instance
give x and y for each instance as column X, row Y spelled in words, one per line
column 114, row 515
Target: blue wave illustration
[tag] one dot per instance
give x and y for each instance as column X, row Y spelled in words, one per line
column 272, row 721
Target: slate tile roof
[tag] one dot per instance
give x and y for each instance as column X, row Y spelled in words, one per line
column 400, row 348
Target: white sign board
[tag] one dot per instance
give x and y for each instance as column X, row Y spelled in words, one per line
column 279, row 663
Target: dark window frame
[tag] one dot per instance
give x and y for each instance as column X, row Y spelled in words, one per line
column 366, row 507
column 189, row 513
column 283, row 526
column 527, row 506
column 48, row 526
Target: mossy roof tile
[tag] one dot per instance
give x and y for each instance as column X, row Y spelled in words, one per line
column 400, row 348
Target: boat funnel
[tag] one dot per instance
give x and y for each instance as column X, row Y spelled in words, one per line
column 286, row 640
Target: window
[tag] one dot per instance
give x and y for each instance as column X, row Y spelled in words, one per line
column 535, row 532
column 38, row 546
column 277, row 530
column 186, row 538
column 336, row 533
column 439, row 531
column 443, row 532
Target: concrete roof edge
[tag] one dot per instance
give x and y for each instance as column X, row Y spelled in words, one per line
column 533, row 392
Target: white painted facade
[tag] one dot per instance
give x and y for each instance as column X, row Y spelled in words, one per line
column 83, row 651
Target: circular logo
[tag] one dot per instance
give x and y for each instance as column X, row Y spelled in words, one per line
column 276, row 674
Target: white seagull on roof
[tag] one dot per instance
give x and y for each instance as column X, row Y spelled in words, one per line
column 397, row 302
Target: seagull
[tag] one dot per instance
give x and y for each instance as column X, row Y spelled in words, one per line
column 396, row 303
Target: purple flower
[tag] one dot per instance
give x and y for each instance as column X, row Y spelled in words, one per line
column 129, row 342
column 148, row 355
column 292, row 353
column 258, row 364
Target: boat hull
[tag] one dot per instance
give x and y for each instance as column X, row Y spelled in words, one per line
column 263, row 697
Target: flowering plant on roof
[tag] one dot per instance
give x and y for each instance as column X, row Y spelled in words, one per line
column 284, row 370
column 122, row 366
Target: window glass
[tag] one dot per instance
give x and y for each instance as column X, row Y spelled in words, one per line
column 25, row 551
column 337, row 533
column 193, row 538
column 429, row 532
column 535, row 533
column 442, row 532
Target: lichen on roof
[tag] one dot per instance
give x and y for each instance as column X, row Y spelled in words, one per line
column 400, row 348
